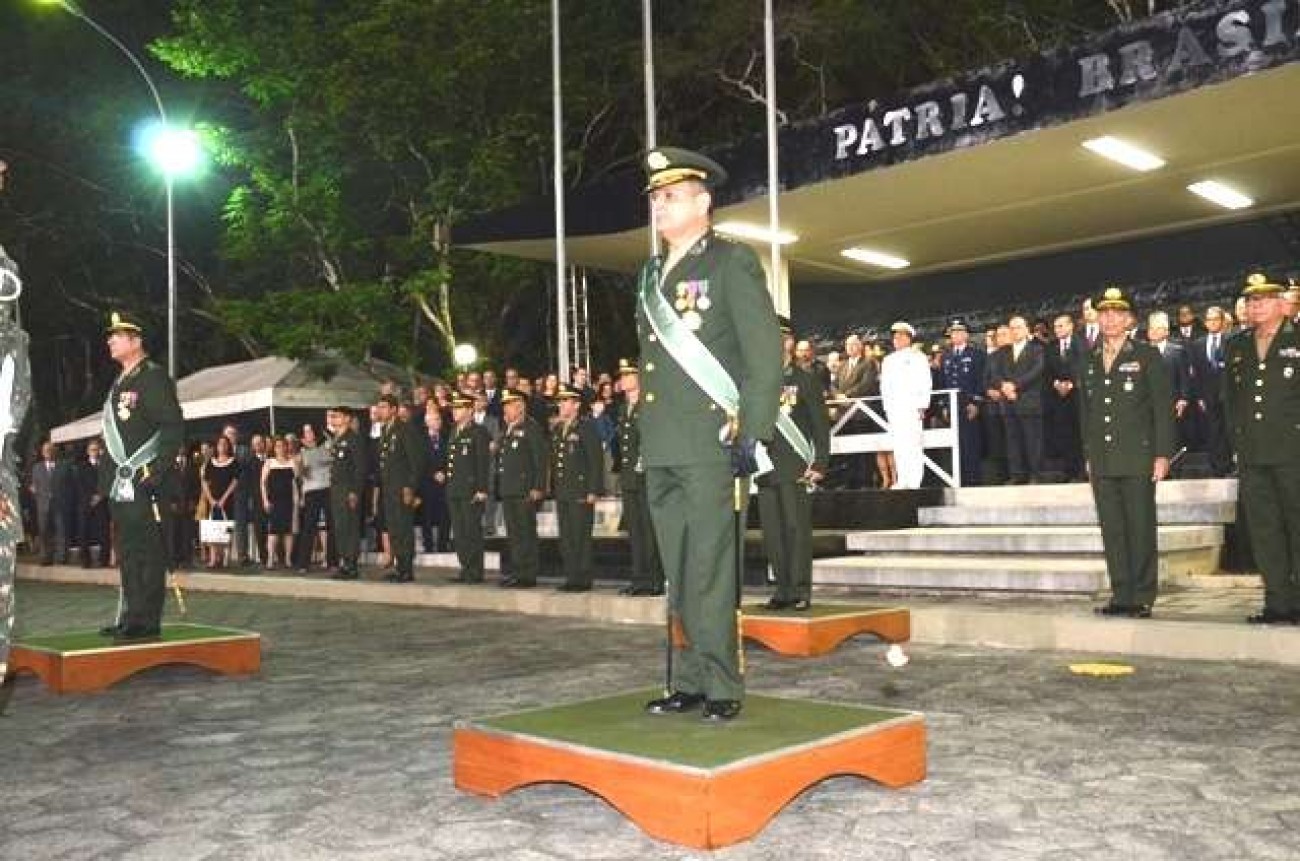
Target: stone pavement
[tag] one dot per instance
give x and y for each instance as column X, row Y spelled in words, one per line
column 340, row 749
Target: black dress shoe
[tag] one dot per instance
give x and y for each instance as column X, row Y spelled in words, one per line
column 6, row 691
column 675, row 703
column 572, row 587
column 1141, row 611
column 778, row 604
column 721, row 710
column 345, row 574
column 516, row 583
column 400, row 577
column 802, row 605
column 641, row 591
column 1111, row 609
column 137, row 634
column 1270, row 617
column 111, row 630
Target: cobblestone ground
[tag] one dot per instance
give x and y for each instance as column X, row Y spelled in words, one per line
column 340, row 749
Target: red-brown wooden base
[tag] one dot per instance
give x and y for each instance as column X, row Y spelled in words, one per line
column 690, row 806
column 239, row 653
column 808, row 636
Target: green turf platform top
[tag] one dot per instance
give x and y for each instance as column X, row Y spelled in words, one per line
column 89, row 641
column 816, row 611
column 620, row 725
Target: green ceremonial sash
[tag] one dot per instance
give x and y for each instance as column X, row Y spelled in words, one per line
column 700, row 365
column 123, row 490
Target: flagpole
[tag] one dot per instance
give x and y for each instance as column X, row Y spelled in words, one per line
column 773, row 187
column 561, row 262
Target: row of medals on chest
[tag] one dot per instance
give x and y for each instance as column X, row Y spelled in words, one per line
column 692, row 298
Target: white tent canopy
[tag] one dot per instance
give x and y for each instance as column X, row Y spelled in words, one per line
column 269, row 383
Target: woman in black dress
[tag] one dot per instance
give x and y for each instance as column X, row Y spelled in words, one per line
column 280, row 500
column 219, row 478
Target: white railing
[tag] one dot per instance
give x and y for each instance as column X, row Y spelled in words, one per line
column 931, row 438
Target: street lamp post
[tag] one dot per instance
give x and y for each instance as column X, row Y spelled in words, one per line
column 167, row 150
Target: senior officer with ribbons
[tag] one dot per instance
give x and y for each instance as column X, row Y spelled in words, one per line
column 1128, row 437
column 1261, row 397
column 711, row 370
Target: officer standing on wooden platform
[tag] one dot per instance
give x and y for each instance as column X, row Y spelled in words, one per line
column 347, row 482
column 577, row 476
column 521, row 483
column 1261, row 389
column 469, row 472
column 1128, row 437
column 143, row 427
column 711, row 365
column 647, row 572
column 401, row 462
column 784, row 500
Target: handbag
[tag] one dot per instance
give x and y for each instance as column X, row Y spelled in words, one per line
column 216, row 529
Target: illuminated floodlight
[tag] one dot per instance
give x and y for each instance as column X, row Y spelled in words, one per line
column 464, row 355
column 875, row 258
column 745, row 230
column 1125, row 153
column 1218, row 193
column 174, row 152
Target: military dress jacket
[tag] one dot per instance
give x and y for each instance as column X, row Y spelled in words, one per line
column 577, row 459
column 521, row 460
column 802, row 400
column 347, row 463
column 401, row 456
column 469, row 461
column 631, row 472
column 144, row 402
column 736, row 322
column 965, row 373
column 1262, row 398
column 1124, row 413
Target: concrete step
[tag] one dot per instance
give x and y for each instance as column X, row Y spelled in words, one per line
column 1041, row 575
column 1080, row 493
column 1068, row 514
column 1046, row 540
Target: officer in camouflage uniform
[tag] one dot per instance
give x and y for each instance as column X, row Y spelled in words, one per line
column 1128, row 437
column 521, row 483
column 704, row 319
column 784, row 503
column 647, row 573
column 577, row 475
column 1261, row 396
column 143, row 427
column 347, row 482
column 401, row 463
column 469, row 472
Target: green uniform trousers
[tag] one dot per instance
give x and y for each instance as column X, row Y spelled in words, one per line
column 575, row 520
column 694, row 520
column 521, row 532
column 785, row 509
column 1126, row 507
column 399, row 523
column 1270, row 496
column 347, row 527
column 142, row 555
column 467, row 534
column 646, row 570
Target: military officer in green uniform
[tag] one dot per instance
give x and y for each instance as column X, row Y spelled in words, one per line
column 577, row 475
column 143, row 427
column 647, row 573
column 784, row 503
column 1261, row 395
column 469, row 472
column 401, row 463
column 347, row 482
column 521, row 485
column 711, row 368
column 1128, row 436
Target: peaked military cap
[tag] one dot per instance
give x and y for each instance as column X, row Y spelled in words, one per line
column 341, row 410
column 903, row 326
column 566, row 392
column 1261, row 285
column 666, row 165
column 462, row 400
column 627, row 366
column 511, row 396
column 957, row 325
column 1113, row 297
column 119, row 322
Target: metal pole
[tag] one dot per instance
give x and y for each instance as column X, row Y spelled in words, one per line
column 773, row 189
column 651, row 125
column 561, row 263
column 77, row 12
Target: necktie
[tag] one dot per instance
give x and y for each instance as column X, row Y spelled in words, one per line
column 1064, row 348
column 1214, row 347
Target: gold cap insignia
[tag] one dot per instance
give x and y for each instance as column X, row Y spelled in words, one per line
column 657, row 160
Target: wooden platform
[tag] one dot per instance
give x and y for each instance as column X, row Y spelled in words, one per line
column 84, row 661
column 683, row 780
column 823, row 627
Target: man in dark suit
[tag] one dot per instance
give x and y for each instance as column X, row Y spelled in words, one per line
column 1061, row 409
column 1207, row 375
column 1089, row 330
column 858, row 377
column 92, row 508
column 1189, row 328
column 1177, row 367
column 53, row 485
column 1020, row 381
